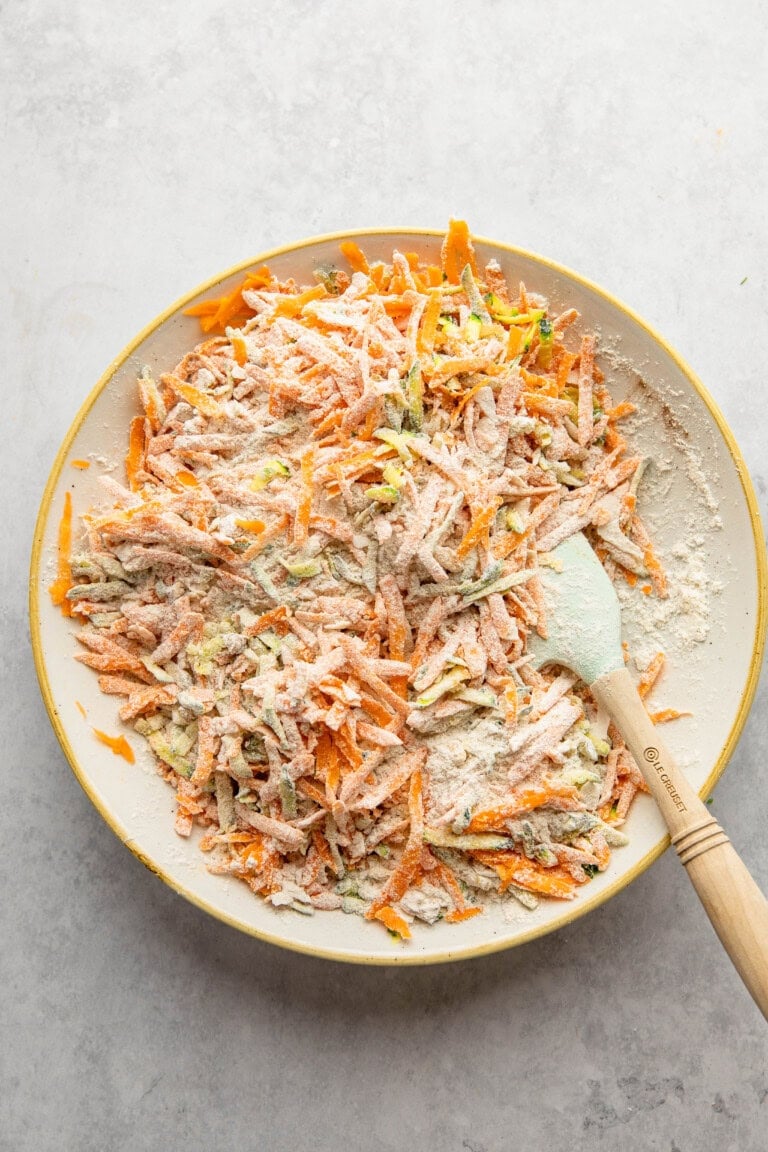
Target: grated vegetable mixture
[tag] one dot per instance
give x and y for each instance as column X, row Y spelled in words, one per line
column 315, row 589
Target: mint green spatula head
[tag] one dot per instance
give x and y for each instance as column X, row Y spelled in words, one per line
column 583, row 616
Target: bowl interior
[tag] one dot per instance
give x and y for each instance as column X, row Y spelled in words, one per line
column 697, row 502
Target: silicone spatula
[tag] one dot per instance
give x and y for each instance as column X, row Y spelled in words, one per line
column 584, row 635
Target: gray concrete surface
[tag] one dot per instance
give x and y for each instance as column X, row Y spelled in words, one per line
column 149, row 144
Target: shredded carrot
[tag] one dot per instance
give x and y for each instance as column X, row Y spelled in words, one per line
column 81, row 464
column 621, row 411
column 459, row 366
column 513, row 868
column 259, row 278
column 457, row 251
column 395, row 305
column 372, row 422
column 347, row 747
column 203, row 308
column 240, row 349
column 354, row 256
column 494, row 819
column 118, row 744
column 321, row 847
column 325, row 753
column 378, row 276
column 205, row 404
column 270, row 533
column 510, row 703
column 460, row 914
column 613, row 439
column 275, row 618
column 187, row 479
column 505, row 542
column 478, row 529
column 515, row 341
column 304, row 509
column 253, row 850
column 329, row 422
column 152, row 402
column 666, row 714
column 564, row 366
column 655, row 570
column 650, row 675
column 206, row 748
column 398, row 628
column 292, row 305
column 80, row 709
column 376, row 711
column 312, row 792
column 253, row 526
column 393, row 921
column 443, row 874
column 333, row 772
column 400, row 880
column 230, row 306
column 220, row 312
column 134, row 461
column 468, row 395
column 63, row 582
column 428, row 329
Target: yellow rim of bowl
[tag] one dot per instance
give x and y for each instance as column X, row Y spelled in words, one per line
column 401, row 958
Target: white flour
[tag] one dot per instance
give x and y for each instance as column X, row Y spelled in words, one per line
column 681, row 621
column 684, row 620
column 462, row 767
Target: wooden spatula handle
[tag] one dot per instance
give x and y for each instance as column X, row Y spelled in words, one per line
column 735, row 905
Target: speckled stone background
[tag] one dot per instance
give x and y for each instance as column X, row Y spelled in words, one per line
column 147, row 145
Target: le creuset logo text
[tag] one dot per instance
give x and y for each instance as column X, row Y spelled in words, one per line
column 651, row 755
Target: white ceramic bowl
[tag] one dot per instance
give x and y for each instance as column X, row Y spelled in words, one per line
column 701, row 493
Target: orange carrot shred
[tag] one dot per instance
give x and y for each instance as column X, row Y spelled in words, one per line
column 655, row 571
column 292, row 305
column 118, row 744
column 81, row 464
column 63, row 582
column 667, row 714
column 651, row 674
column 254, row 526
column 321, row 847
column 188, row 479
column 513, row 868
column 347, row 747
column 494, row 819
column 354, row 256
column 457, row 251
column 428, row 330
column 304, row 508
column 478, row 529
column 376, row 711
column 240, row 350
column 393, row 921
column 274, row 618
column 460, row 914
column 312, row 792
column 134, row 461
column 204, row 403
